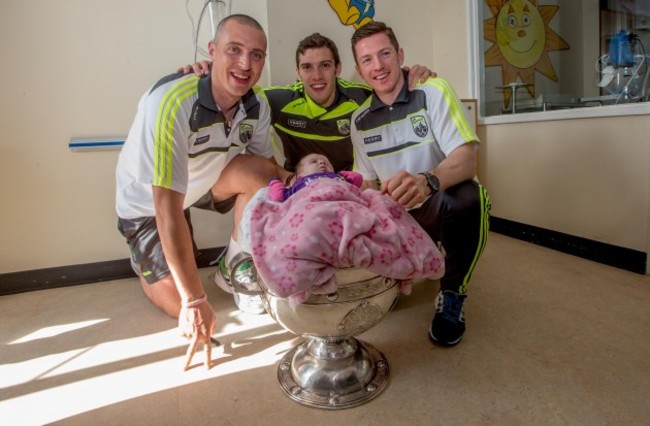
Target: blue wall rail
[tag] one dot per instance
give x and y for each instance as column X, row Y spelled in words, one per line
column 94, row 144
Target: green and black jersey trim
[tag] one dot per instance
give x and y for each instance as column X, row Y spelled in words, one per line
column 483, row 236
column 291, row 101
column 304, row 126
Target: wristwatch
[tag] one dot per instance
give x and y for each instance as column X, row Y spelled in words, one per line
column 432, row 182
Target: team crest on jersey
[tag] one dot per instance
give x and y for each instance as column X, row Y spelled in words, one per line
column 344, row 126
column 419, row 126
column 245, row 133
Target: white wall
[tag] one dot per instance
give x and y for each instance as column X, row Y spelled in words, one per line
column 449, row 45
column 589, row 178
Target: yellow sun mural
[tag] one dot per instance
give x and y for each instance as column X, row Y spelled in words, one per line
column 521, row 41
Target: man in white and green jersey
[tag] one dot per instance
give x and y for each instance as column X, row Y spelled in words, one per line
column 185, row 149
column 419, row 145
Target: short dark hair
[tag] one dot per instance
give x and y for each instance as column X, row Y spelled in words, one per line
column 316, row 41
column 370, row 29
column 241, row 19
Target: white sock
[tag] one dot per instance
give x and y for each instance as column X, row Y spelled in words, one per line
column 232, row 250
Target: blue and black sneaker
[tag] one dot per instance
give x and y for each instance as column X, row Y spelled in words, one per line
column 448, row 325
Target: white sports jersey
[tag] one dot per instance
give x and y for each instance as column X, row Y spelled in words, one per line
column 419, row 130
column 179, row 140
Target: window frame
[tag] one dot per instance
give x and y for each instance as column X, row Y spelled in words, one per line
column 476, row 65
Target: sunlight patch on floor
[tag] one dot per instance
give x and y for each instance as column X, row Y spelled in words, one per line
column 56, row 330
column 65, row 384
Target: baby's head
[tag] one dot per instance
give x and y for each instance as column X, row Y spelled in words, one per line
column 313, row 163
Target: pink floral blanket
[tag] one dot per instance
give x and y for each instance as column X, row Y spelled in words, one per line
column 298, row 245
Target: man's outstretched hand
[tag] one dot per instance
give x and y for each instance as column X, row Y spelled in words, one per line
column 197, row 324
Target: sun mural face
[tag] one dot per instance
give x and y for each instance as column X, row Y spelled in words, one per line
column 522, row 39
column 520, row 34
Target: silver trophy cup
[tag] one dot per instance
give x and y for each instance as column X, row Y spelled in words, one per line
column 331, row 369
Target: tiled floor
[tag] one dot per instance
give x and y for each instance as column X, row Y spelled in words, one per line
column 552, row 340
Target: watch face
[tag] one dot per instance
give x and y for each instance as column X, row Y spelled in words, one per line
column 433, row 182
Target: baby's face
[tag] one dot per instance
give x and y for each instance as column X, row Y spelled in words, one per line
column 314, row 163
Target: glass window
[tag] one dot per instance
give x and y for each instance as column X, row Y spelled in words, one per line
column 543, row 55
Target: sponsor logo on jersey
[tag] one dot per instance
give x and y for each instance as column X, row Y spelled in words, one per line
column 372, row 139
column 344, row 126
column 419, row 125
column 297, row 123
column 245, row 133
column 201, row 140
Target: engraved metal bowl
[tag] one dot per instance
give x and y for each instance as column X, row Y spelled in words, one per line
column 331, row 369
column 362, row 300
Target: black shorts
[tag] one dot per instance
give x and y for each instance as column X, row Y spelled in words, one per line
column 147, row 257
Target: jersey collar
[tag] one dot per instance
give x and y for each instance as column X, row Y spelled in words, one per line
column 317, row 110
column 207, row 100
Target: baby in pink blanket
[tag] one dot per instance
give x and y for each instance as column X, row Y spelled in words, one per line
column 301, row 235
column 310, row 168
